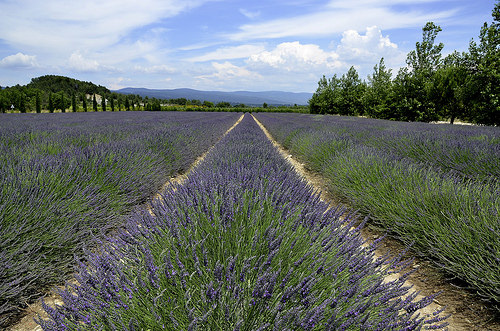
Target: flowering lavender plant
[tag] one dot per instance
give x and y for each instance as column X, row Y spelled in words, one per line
column 434, row 186
column 243, row 244
column 65, row 178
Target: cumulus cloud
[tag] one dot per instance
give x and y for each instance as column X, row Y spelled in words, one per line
column 365, row 50
column 366, row 47
column 226, row 73
column 294, row 56
column 77, row 62
column 227, row 53
column 19, row 61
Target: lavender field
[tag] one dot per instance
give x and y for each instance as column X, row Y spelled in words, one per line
column 435, row 187
column 243, row 244
column 67, row 179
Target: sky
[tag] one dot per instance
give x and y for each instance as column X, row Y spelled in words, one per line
column 222, row 45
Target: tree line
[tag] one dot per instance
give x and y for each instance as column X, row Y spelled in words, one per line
column 463, row 86
column 63, row 94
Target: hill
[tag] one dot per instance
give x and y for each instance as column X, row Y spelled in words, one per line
column 248, row 98
column 54, row 84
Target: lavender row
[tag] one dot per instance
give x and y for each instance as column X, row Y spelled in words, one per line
column 419, row 181
column 468, row 151
column 66, row 178
column 243, row 244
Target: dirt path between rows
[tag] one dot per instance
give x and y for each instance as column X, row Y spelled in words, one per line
column 27, row 323
column 467, row 311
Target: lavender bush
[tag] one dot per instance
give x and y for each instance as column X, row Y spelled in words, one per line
column 244, row 244
column 435, row 186
column 66, row 178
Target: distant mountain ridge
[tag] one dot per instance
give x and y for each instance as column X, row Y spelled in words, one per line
column 245, row 97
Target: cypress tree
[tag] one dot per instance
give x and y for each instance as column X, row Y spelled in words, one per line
column 73, row 102
column 112, row 103
column 22, row 103
column 103, row 102
column 38, row 105
column 127, row 104
column 63, row 103
column 94, row 103
column 84, row 102
column 51, row 103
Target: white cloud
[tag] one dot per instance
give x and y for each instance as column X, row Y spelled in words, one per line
column 79, row 63
column 366, row 47
column 91, row 25
column 294, row 56
column 19, row 61
column 250, row 14
column 117, row 83
column 155, row 69
column 227, row 74
column 336, row 17
column 227, row 53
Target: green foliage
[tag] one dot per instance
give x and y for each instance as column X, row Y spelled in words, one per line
column 208, row 104
column 127, row 104
column 483, row 85
column 84, row 102
column 464, row 86
column 38, row 104
column 378, row 93
column 223, row 104
column 54, row 84
column 51, row 103
column 351, row 93
column 73, row 102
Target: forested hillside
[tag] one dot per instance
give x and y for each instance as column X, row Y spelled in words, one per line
column 53, row 83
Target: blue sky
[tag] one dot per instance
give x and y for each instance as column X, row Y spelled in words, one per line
column 224, row 45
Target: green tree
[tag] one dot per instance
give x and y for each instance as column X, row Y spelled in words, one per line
column 351, row 93
column 448, row 92
column 112, row 101
column 483, row 85
column 414, row 84
column 208, row 104
column 3, row 102
column 51, row 103
column 38, row 104
column 324, row 100
column 223, row 104
column 84, row 102
column 103, row 102
column 426, row 58
column 94, row 102
column 62, row 104
column 22, row 102
column 127, row 104
column 73, row 102
column 377, row 97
